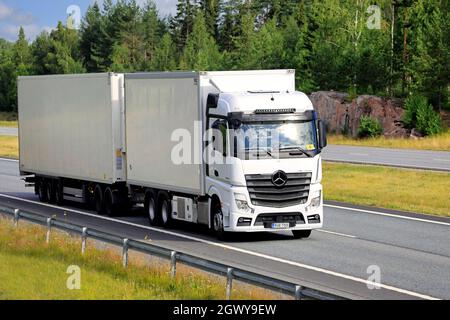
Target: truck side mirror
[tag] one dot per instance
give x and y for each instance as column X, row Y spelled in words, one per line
column 322, row 134
column 212, row 102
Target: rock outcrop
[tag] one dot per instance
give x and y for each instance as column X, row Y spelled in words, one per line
column 340, row 114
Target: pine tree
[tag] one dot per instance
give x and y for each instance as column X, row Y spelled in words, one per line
column 91, row 40
column 181, row 25
column 201, row 51
column 164, row 58
column 429, row 62
column 21, row 54
column 151, row 33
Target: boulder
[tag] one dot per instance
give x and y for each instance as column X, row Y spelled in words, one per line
column 341, row 114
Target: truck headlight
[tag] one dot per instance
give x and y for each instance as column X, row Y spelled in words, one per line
column 315, row 202
column 242, row 204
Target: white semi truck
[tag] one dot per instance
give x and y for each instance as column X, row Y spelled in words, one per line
column 237, row 151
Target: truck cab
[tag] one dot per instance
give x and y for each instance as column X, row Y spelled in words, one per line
column 264, row 164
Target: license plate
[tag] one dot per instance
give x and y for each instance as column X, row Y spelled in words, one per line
column 280, row 225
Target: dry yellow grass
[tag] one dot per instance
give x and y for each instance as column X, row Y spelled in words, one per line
column 9, row 147
column 31, row 269
column 384, row 187
column 439, row 142
column 8, row 124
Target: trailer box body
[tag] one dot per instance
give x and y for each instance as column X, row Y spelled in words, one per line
column 161, row 108
column 71, row 126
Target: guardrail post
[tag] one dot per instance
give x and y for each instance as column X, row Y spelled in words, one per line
column 16, row 217
column 229, row 282
column 49, row 229
column 298, row 292
column 125, row 253
column 173, row 264
column 83, row 240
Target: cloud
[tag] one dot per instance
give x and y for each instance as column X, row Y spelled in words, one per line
column 11, row 19
column 13, row 15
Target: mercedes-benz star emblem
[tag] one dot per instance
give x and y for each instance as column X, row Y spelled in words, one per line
column 279, row 179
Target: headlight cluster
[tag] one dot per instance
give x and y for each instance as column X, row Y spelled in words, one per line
column 242, row 204
column 315, row 202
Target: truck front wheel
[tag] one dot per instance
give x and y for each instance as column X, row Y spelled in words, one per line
column 299, row 234
column 217, row 221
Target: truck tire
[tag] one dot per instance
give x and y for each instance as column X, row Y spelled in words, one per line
column 110, row 203
column 300, row 234
column 217, row 221
column 98, row 198
column 165, row 210
column 151, row 208
column 42, row 190
column 59, row 193
column 51, row 194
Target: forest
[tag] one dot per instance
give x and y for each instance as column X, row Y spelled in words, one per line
column 385, row 47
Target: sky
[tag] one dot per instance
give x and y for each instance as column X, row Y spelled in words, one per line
column 38, row 15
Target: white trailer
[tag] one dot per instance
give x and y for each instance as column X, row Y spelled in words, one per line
column 172, row 141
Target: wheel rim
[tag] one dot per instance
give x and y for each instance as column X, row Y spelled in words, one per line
column 151, row 209
column 164, row 212
column 218, row 222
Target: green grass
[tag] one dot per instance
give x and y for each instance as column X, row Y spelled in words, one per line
column 439, row 142
column 384, row 187
column 31, row 269
column 8, row 119
column 9, row 147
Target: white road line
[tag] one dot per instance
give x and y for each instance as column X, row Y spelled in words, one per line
column 446, row 160
column 387, row 214
column 10, row 160
column 228, row 247
column 336, row 233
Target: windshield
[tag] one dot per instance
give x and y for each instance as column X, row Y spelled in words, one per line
column 271, row 137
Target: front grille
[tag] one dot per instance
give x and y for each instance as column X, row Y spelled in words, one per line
column 264, row 193
column 267, row 219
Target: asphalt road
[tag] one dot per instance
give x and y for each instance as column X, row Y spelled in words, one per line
column 412, row 251
column 4, row 131
column 417, row 159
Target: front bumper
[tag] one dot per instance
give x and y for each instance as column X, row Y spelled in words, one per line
column 298, row 216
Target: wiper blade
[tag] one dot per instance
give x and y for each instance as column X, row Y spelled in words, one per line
column 267, row 151
column 303, row 151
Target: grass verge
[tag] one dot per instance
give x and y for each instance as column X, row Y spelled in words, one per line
column 8, row 119
column 439, row 142
column 384, row 187
column 31, row 269
column 9, row 147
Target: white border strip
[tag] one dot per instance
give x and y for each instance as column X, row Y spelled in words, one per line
column 387, row 214
column 260, row 255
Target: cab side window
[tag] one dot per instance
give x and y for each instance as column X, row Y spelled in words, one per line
column 220, row 129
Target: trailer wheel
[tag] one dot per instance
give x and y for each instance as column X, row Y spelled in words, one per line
column 151, row 209
column 99, row 203
column 300, row 234
column 42, row 191
column 51, row 194
column 110, row 203
column 59, row 193
column 165, row 210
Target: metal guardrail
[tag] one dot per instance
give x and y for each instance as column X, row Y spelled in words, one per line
column 231, row 273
